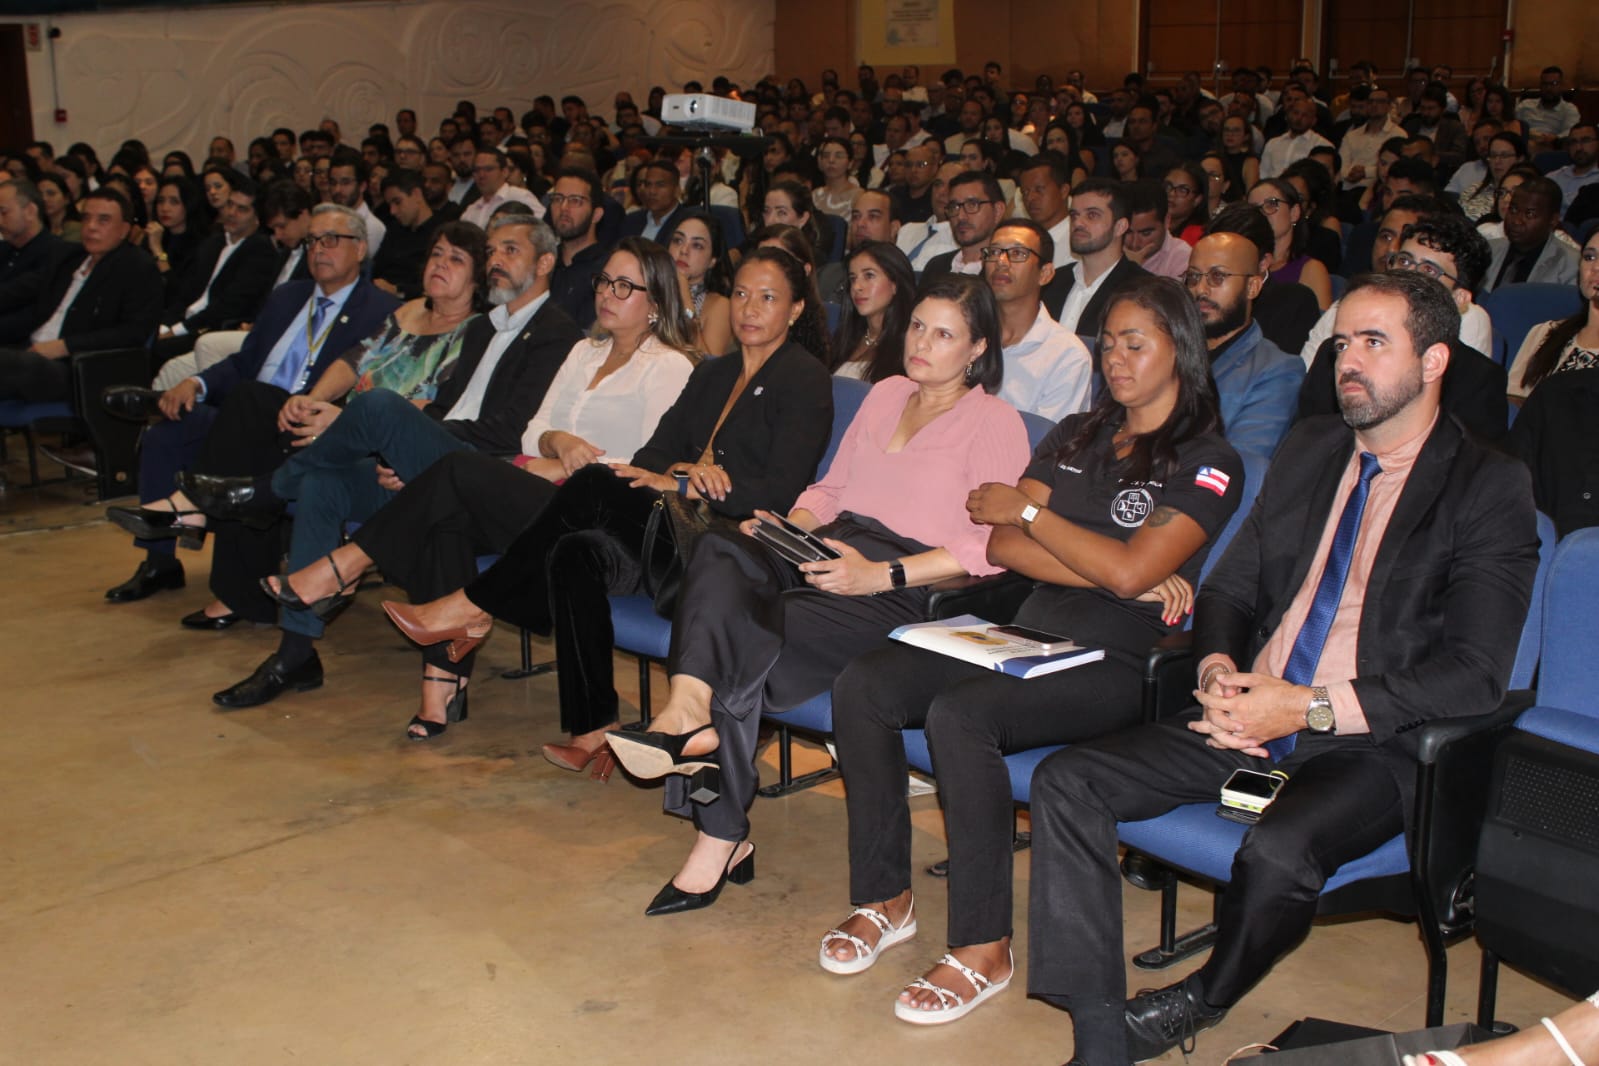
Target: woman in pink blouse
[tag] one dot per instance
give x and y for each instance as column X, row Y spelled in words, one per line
column 753, row 632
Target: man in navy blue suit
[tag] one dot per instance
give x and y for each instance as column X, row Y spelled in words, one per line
column 281, row 355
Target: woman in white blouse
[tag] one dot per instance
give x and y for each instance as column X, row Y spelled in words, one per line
column 602, row 406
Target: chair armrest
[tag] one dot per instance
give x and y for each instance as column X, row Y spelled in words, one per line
column 115, row 440
column 1168, row 676
column 1455, row 763
column 995, row 599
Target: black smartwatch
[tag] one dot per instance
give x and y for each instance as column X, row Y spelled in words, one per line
column 896, row 573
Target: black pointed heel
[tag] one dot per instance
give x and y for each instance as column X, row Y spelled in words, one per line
column 651, row 755
column 454, row 711
column 327, row 608
column 148, row 524
column 673, row 900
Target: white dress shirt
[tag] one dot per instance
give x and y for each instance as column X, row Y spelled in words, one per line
column 1286, row 149
column 1072, row 309
column 296, row 254
column 1048, row 372
column 375, row 229
column 506, row 327
column 924, row 241
column 51, row 329
column 479, row 211
column 1361, row 147
column 229, row 246
column 619, row 414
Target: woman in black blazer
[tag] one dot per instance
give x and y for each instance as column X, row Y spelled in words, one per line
column 746, row 434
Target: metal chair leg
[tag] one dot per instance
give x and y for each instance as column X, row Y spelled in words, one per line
column 529, row 668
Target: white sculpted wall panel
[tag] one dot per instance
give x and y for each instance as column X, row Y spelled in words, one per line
column 176, row 78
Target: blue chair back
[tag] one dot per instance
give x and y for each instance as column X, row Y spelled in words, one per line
column 1038, row 428
column 732, row 224
column 1255, row 466
column 834, row 231
column 1569, row 677
column 1529, row 651
column 847, row 396
column 1340, row 285
column 1501, row 353
column 1515, row 309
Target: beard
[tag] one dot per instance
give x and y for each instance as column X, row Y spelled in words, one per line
column 1378, row 405
column 503, row 290
column 574, row 231
column 1091, row 245
column 1229, row 318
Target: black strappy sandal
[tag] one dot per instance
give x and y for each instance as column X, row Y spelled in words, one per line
column 454, row 711
column 327, row 607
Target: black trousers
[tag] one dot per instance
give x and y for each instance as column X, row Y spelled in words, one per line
column 29, row 376
column 244, row 442
column 749, row 627
column 427, row 539
column 973, row 717
column 1342, row 800
column 557, row 574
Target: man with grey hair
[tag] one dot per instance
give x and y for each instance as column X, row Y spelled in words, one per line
column 304, row 327
column 356, row 465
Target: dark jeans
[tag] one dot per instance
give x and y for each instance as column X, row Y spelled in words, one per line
column 428, row 538
column 334, row 479
column 750, row 628
column 1341, row 801
column 973, row 717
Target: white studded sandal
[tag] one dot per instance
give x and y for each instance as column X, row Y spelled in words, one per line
column 866, row 954
column 952, row 1006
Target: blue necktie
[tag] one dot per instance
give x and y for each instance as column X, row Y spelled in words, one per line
column 931, row 233
column 299, row 353
column 1312, row 637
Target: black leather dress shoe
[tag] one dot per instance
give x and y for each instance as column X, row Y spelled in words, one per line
column 235, row 498
column 200, row 620
column 1163, row 1018
column 270, row 680
column 146, row 581
column 131, row 402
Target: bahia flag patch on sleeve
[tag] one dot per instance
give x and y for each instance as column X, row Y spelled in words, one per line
column 1214, row 480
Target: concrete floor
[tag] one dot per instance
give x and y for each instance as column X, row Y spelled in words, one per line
column 297, row 883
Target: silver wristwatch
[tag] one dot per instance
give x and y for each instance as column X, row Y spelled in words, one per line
column 1319, row 717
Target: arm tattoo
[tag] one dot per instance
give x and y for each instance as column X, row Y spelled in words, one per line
column 1161, row 515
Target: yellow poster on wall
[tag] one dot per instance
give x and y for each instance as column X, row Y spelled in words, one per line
column 906, row 31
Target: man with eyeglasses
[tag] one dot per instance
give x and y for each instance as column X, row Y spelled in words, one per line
column 490, row 169
column 1048, row 371
column 914, row 201
column 397, row 267
column 922, row 242
column 975, row 207
column 1099, row 221
column 1257, row 383
column 1446, row 248
column 1582, row 146
column 1529, row 251
column 279, row 356
column 346, row 186
column 576, row 209
column 659, row 193
column 409, row 153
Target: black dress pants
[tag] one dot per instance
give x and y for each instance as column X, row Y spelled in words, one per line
column 974, row 718
column 749, row 627
column 428, row 538
column 33, row 378
column 1342, row 800
column 244, row 442
column 557, row 573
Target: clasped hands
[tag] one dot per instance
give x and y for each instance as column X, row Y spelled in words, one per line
column 306, row 418
column 1243, row 710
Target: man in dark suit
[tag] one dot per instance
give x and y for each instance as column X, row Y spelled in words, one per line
column 109, row 298
column 29, row 256
column 225, row 282
column 659, row 193
column 1099, row 219
column 508, row 359
column 281, row 356
column 1378, row 582
column 1448, row 248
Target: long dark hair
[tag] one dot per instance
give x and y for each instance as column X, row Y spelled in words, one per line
column 1197, row 175
column 800, row 287
column 800, row 202
column 1154, row 455
column 719, row 278
column 980, row 311
column 1543, row 360
column 887, row 357
column 193, row 200
column 811, row 329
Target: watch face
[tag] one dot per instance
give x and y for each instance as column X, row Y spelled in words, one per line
column 1320, row 718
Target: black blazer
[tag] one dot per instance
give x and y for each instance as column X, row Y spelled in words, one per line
column 518, row 384
column 937, row 266
column 119, row 305
column 237, row 291
column 360, row 317
column 1554, row 436
column 1056, row 291
column 1474, row 390
column 23, row 273
column 633, row 224
column 1447, row 595
column 772, row 439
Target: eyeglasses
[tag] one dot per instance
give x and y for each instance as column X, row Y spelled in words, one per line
column 1503, row 157
column 1214, row 278
column 1406, row 261
column 327, row 241
column 1015, row 253
column 1271, row 204
column 1186, row 190
column 621, row 288
column 971, row 207
column 576, row 200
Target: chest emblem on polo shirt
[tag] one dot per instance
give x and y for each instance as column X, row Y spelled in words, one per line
column 1131, row 507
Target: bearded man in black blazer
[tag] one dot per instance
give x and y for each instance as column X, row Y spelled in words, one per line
column 1379, row 582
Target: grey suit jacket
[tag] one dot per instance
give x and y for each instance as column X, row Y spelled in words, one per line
column 1557, row 263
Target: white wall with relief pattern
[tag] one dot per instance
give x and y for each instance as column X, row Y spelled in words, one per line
column 175, row 78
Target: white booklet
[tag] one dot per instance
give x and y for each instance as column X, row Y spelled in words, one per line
column 970, row 639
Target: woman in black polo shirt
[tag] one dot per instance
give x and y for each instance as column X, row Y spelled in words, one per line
column 1113, row 518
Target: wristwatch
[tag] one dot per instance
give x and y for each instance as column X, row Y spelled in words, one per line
column 896, row 574
column 1029, row 513
column 1319, row 716
column 682, row 481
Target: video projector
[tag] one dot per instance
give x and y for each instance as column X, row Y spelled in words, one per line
column 704, row 112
